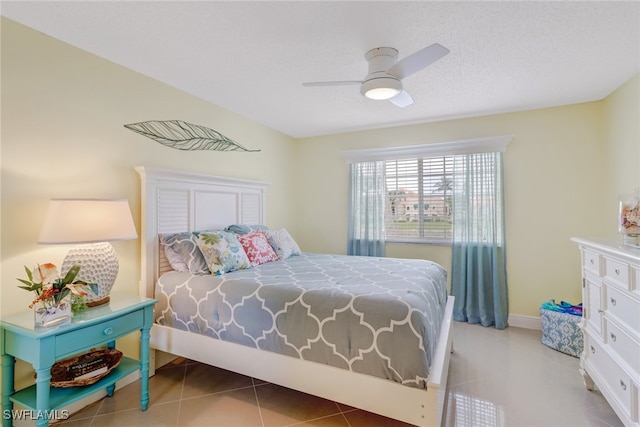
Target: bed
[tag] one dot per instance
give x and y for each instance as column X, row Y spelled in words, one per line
column 374, row 370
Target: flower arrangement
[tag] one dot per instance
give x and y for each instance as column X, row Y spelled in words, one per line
column 50, row 289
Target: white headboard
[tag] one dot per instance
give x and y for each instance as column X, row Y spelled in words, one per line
column 175, row 201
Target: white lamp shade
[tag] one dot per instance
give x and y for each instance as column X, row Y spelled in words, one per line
column 87, row 221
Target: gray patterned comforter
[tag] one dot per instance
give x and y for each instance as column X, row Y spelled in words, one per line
column 377, row 316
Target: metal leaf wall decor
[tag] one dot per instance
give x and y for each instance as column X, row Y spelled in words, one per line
column 185, row 136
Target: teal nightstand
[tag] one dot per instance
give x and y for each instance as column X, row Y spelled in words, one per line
column 42, row 347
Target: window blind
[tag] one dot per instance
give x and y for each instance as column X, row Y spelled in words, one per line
column 419, row 199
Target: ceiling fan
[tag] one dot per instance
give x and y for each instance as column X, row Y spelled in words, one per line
column 384, row 79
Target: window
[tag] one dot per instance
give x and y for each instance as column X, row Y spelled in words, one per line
column 419, row 187
column 418, row 203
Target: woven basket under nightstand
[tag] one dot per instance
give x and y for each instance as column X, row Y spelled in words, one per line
column 61, row 377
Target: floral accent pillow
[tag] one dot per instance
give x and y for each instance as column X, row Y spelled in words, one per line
column 257, row 248
column 222, row 251
column 282, row 243
column 182, row 253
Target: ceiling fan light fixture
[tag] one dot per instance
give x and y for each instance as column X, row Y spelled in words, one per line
column 381, row 88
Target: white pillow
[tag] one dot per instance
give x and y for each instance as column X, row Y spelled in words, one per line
column 282, row 243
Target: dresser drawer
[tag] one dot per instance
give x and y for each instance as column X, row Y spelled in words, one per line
column 622, row 306
column 617, row 272
column 615, row 379
column 77, row 340
column 622, row 344
column 591, row 262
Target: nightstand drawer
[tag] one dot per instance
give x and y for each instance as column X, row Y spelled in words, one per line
column 80, row 339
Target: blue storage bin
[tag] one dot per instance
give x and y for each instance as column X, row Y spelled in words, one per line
column 561, row 327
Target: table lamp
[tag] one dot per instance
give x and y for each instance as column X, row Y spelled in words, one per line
column 91, row 223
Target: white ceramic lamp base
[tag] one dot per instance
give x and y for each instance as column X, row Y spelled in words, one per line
column 98, row 264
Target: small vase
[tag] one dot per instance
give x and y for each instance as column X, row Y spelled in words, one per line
column 50, row 314
column 78, row 304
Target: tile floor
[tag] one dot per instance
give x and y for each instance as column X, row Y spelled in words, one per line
column 497, row 378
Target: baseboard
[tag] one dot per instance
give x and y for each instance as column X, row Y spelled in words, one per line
column 526, row 322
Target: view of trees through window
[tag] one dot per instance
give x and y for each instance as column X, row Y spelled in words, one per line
column 419, row 198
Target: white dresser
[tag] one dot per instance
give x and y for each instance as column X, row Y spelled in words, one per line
column 611, row 324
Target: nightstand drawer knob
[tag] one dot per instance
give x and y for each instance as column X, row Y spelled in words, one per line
column 613, row 336
column 613, row 301
column 108, row 331
column 623, row 385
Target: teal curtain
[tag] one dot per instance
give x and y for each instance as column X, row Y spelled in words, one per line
column 478, row 263
column 367, row 192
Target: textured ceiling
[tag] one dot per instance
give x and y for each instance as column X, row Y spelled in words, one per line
column 252, row 57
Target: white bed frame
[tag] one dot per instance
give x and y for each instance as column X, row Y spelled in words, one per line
column 174, row 201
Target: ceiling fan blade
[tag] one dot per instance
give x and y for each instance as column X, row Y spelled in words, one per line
column 417, row 61
column 338, row 83
column 402, row 99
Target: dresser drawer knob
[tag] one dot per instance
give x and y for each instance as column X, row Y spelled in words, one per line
column 593, row 350
column 613, row 301
column 108, row 331
column 617, row 271
column 613, row 336
column 623, row 385
column 591, row 261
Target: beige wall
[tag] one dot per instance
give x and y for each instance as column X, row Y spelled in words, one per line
column 553, row 188
column 622, row 150
column 62, row 135
column 563, row 172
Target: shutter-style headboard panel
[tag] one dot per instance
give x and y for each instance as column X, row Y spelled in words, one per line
column 175, row 201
